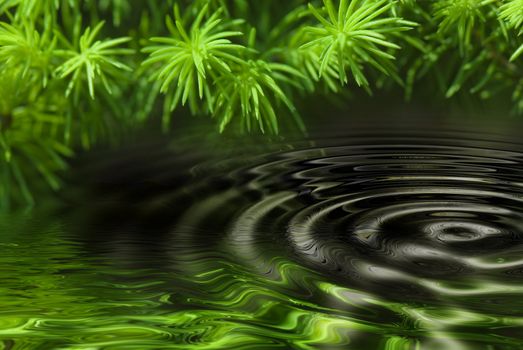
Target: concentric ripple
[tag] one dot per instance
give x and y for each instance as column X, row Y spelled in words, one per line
column 378, row 213
column 422, row 222
column 374, row 240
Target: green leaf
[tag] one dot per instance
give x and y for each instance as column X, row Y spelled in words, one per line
column 92, row 61
column 190, row 61
column 350, row 37
column 516, row 54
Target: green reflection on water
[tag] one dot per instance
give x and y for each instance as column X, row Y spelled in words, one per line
column 56, row 294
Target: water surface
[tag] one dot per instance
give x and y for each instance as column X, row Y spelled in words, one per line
column 404, row 237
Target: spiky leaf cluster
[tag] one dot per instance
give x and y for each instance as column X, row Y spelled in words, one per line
column 355, row 35
column 40, row 123
column 191, row 59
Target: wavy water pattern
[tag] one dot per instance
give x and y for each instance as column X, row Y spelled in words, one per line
column 389, row 240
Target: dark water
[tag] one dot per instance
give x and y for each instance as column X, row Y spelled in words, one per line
column 397, row 238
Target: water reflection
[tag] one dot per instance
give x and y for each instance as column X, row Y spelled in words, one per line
column 371, row 240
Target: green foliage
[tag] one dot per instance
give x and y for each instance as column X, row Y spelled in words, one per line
column 460, row 16
column 512, row 12
column 29, row 121
column 39, row 124
column 21, row 45
column 191, row 60
column 253, row 92
column 70, row 81
column 91, row 60
column 354, row 35
column 118, row 8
